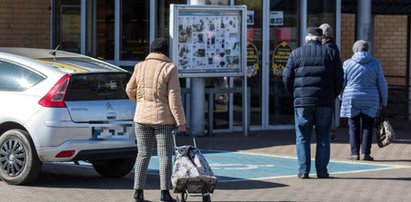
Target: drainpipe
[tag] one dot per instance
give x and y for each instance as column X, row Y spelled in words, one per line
column 364, row 22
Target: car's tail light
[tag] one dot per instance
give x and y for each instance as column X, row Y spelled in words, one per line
column 65, row 154
column 55, row 97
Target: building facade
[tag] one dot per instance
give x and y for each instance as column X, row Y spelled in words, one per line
column 120, row 31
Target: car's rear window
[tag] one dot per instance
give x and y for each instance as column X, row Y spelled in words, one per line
column 97, row 86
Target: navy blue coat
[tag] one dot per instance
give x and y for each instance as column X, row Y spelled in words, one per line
column 314, row 74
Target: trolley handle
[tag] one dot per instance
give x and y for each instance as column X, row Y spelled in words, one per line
column 174, row 132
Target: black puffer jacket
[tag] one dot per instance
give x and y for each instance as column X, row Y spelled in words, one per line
column 314, row 74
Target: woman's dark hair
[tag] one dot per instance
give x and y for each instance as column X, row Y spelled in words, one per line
column 159, row 45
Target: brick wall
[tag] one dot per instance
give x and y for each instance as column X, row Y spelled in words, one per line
column 25, row 23
column 347, row 35
column 389, row 46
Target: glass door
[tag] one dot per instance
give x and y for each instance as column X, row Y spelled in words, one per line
column 284, row 37
column 254, row 64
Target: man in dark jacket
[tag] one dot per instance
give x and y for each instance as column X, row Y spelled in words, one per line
column 314, row 75
column 328, row 40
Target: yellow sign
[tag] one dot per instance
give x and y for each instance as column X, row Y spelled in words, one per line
column 280, row 57
column 252, row 60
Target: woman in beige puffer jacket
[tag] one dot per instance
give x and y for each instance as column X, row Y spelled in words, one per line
column 155, row 87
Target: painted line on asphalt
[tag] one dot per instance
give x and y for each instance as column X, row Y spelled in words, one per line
column 234, row 166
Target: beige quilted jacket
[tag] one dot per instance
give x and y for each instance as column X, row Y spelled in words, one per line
column 155, row 87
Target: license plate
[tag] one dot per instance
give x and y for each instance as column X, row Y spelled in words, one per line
column 102, row 133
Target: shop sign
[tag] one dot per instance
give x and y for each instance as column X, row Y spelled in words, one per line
column 252, row 60
column 250, row 17
column 280, row 57
column 276, row 18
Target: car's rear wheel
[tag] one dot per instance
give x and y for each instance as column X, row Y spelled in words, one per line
column 19, row 163
column 114, row 167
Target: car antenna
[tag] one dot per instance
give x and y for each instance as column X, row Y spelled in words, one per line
column 54, row 52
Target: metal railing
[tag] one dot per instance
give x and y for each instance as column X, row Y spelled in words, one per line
column 211, row 92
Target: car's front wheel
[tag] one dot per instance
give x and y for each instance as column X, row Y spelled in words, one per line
column 19, row 163
column 114, row 167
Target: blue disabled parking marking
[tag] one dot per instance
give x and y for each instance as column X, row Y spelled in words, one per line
column 237, row 166
column 240, row 166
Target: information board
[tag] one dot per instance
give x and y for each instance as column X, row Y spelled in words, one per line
column 208, row 41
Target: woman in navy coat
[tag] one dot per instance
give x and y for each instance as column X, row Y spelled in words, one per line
column 365, row 93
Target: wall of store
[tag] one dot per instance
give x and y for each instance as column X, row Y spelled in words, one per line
column 347, row 35
column 390, row 41
column 389, row 46
column 25, row 23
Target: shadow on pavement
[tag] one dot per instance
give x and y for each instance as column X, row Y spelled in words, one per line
column 375, row 178
column 248, row 184
column 70, row 176
column 237, row 141
column 393, row 161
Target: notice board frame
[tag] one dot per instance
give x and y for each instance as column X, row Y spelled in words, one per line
column 207, row 40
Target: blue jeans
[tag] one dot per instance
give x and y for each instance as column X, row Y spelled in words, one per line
column 360, row 130
column 305, row 118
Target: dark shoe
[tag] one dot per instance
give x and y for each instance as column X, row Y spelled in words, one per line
column 333, row 137
column 367, row 157
column 354, row 157
column 303, row 175
column 165, row 196
column 139, row 195
column 323, row 175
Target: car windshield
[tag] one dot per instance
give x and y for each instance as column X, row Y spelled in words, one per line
column 79, row 65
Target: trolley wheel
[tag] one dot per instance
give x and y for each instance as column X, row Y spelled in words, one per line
column 206, row 198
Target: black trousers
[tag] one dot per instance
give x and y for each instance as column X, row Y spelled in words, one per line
column 360, row 131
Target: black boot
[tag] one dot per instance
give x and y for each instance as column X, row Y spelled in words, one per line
column 139, row 195
column 165, row 196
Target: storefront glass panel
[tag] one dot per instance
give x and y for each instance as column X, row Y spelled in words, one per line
column 284, row 37
column 254, row 65
column 135, row 28
column 321, row 11
column 105, row 29
column 162, row 25
column 67, row 25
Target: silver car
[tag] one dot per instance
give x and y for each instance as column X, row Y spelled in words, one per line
column 58, row 106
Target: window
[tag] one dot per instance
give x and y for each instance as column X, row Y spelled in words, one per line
column 163, row 16
column 105, row 29
column 67, row 25
column 16, row 78
column 318, row 15
column 135, row 24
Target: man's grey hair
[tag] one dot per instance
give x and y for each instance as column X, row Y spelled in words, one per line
column 311, row 37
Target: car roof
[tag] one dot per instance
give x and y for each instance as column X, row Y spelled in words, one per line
column 37, row 53
column 55, row 57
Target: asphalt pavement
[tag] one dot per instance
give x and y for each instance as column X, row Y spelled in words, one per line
column 63, row 182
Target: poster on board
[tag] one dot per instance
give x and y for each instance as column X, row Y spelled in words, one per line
column 208, row 40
